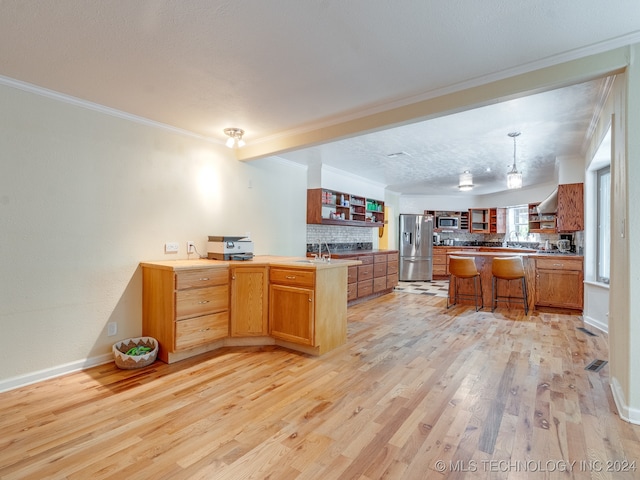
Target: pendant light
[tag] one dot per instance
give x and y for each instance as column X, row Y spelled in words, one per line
column 514, row 178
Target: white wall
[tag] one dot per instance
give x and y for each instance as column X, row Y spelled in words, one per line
column 85, row 196
column 420, row 203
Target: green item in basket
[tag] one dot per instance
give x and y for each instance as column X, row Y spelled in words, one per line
column 139, row 350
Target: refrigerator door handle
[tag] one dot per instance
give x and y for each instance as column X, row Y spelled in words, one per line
column 407, row 237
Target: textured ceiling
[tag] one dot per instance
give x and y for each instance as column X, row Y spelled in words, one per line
column 282, row 66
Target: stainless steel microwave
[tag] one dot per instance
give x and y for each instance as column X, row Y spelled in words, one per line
column 448, row 222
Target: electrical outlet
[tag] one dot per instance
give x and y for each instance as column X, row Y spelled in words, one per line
column 171, row 247
column 191, row 247
column 112, row 329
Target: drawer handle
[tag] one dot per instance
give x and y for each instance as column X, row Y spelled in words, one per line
column 290, row 277
column 204, row 329
column 204, row 279
column 204, row 301
column 557, row 264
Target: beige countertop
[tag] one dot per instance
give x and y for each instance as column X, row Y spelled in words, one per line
column 259, row 260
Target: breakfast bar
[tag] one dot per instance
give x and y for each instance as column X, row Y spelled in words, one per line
column 483, row 262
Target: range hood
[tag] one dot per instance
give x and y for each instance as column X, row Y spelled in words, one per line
column 549, row 204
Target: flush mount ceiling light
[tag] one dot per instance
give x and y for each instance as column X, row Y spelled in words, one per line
column 466, row 181
column 235, row 137
column 514, row 178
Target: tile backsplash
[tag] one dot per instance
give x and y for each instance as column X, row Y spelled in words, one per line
column 339, row 237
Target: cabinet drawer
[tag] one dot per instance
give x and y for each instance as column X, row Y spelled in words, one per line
column 352, row 274
column 201, row 278
column 392, row 257
column 200, row 301
column 366, row 259
column 365, row 288
column 365, row 272
column 392, row 267
column 559, row 263
column 352, row 291
column 380, row 258
column 379, row 284
column 439, row 260
column 439, row 269
column 201, row 330
column 392, row 280
column 303, row 278
column 379, row 270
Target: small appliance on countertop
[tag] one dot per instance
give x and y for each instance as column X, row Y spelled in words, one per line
column 229, row 248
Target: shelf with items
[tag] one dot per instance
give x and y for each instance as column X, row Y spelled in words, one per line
column 479, row 220
column 331, row 207
column 540, row 223
column 463, row 220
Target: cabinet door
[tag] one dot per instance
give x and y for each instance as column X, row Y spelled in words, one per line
column 570, row 216
column 559, row 288
column 249, row 289
column 291, row 314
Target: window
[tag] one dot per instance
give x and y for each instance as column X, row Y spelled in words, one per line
column 518, row 223
column 603, row 238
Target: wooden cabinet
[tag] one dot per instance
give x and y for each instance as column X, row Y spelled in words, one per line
column 541, row 223
column 308, row 308
column 378, row 274
column 249, row 301
column 463, row 220
column 330, row 207
column 498, row 220
column 439, row 263
column 479, row 220
column 559, row 282
column 392, row 270
column 570, row 215
column 185, row 310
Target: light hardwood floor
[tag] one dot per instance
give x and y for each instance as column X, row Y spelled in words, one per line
column 418, row 392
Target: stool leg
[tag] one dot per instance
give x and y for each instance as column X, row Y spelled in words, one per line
column 481, row 293
column 493, row 294
column 451, row 280
column 526, row 296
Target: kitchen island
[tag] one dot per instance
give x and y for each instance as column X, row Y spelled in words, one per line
column 553, row 280
column 195, row 306
column 513, row 288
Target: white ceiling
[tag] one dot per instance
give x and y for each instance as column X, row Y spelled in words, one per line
column 280, row 67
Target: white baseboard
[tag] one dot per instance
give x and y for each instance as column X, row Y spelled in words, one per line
column 57, row 371
column 603, row 327
column 631, row 415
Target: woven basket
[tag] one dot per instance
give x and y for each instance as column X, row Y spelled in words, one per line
column 129, row 362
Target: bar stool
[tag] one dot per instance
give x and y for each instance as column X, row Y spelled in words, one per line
column 464, row 267
column 508, row 268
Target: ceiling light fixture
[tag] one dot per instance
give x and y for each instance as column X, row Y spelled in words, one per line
column 514, row 178
column 466, row 181
column 235, row 137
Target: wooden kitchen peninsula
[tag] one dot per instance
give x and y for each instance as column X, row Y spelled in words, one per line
column 554, row 281
column 195, row 306
column 513, row 289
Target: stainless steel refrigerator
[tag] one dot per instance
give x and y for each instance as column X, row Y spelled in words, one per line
column 416, row 247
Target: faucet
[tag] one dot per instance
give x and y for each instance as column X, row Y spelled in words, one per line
column 318, row 255
column 328, row 257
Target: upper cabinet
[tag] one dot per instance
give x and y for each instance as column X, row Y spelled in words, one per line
column 498, row 220
column 479, row 220
column 570, row 216
column 330, row 207
column 541, row 223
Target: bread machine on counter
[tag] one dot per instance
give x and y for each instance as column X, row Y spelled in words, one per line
column 229, row 248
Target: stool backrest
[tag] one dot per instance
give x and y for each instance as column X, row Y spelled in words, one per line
column 507, row 267
column 462, row 266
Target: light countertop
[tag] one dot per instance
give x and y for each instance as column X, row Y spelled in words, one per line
column 259, row 260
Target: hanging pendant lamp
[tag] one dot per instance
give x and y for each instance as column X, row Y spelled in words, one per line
column 514, row 178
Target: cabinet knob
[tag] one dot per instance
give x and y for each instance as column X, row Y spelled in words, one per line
column 309, row 298
column 233, row 278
